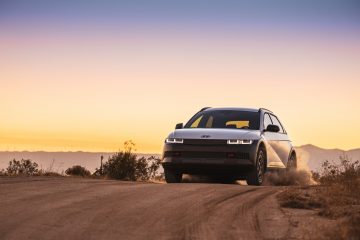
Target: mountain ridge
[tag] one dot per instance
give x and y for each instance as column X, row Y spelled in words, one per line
column 309, row 156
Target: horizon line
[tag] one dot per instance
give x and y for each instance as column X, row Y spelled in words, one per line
column 105, row 152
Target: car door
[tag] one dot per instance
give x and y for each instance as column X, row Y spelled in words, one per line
column 271, row 144
column 281, row 143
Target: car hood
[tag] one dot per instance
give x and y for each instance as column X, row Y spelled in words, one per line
column 212, row 133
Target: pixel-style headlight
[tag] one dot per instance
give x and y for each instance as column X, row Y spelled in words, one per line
column 239, row 141
column 174, row 140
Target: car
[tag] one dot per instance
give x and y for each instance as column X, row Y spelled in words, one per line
column 229, row 143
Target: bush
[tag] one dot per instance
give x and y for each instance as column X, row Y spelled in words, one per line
column 146, row 168
column 78, row 170
column 125, row 165
column 22, row 167
column 347, row 173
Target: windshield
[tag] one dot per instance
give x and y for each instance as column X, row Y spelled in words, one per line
column 225, row 119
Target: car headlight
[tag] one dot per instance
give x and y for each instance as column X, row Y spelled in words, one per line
column 239, row 141
column 174, row 140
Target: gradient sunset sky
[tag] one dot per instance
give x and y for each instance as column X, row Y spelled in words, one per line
column 88, row 75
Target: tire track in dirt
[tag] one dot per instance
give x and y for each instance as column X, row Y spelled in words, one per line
column 98, row 209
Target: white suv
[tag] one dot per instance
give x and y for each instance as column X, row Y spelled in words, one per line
column 230, row 143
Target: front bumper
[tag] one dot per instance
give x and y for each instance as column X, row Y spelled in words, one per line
column 210, row 157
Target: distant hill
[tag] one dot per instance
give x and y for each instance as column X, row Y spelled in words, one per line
column 309, row 155
column 314, row 156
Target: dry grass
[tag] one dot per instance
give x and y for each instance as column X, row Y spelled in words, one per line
column 49, row 174
column 337, row 197
column 347, row 228
column 40, row 173
column 301, row 197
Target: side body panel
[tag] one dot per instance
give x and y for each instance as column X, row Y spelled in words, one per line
column 278, row 147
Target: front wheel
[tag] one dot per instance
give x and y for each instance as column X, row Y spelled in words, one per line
column 172, row 176
column 256, row 176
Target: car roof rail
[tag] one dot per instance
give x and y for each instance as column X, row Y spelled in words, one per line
column 203, row 109
column 266, row 109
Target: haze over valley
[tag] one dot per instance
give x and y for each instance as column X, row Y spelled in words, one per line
column 309, row 155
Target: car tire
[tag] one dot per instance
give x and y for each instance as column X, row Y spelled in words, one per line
column 172, row 176
column 292, row 163
column 256, row 176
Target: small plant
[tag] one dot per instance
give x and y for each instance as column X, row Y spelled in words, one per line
column 125, row 165
column 146, row 168
column 22, row 167
column 154, row 167
column 78, row 170
column 122, row 165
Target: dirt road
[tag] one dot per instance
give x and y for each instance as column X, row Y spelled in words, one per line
column 76, row 208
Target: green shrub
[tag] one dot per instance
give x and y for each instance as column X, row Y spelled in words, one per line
column 78, row 170
column 22, row 167
column 125, row 165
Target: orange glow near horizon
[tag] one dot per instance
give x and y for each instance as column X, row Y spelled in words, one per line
column 92, row 91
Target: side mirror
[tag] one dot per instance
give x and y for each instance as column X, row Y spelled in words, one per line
column 179, row 126
column 272, row 128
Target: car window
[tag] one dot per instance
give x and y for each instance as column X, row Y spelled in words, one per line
column 195, row 124
column 209, row 122
column 277, row 123
column 225, row 119
column 238, row 124
column 267, row 120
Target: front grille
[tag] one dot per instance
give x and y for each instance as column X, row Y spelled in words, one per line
column 203, row 154
column 243, row 155
column 205, row 142
column 191, row 154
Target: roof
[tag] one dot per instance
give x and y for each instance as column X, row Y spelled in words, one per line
column 238, row 109
column 234, row 109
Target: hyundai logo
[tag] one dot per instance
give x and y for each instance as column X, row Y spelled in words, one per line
column 205, row 136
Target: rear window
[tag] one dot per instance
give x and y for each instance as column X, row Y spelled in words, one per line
column 225, row 119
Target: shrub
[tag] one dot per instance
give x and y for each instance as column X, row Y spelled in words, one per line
column 347, row 173
column 22, row 167
column 125, row 165
column 122, row 165
column 154, row 167
column 78, row 170
column 146, row 168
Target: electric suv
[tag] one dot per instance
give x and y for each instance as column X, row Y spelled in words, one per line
column 229, row 143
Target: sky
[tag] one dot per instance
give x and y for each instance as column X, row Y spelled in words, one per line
column 88, row 75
